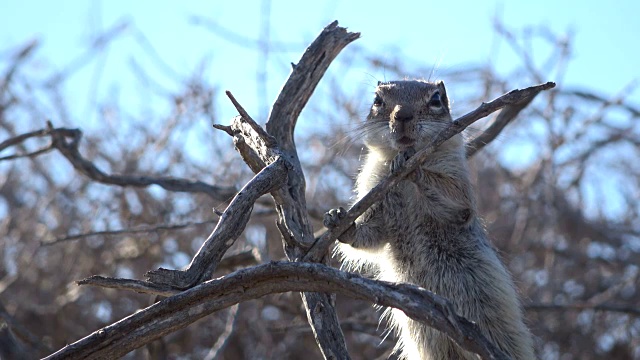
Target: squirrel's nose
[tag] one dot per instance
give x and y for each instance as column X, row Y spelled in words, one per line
column 402, row 113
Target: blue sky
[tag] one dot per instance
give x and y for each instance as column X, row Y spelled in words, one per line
column 450, row 34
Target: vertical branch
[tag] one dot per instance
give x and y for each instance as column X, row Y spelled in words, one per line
column 290, row 200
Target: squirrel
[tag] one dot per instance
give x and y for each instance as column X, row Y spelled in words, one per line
column 425, row 231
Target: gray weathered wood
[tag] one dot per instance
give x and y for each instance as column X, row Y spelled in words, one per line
column 184, row 308
column 291, row 205
column 230, row 226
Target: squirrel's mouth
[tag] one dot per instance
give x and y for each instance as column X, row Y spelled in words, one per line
column 405, row 140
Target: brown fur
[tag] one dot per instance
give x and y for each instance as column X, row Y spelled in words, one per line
column 425, row 231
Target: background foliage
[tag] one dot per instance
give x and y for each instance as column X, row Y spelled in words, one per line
column 558, row 191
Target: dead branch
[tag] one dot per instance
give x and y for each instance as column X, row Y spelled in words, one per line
column 138, row 230
column 513, row 98
column 230, row 226
column 257, row 147
column 67, row 141
column 503, row 119
column 179, row 311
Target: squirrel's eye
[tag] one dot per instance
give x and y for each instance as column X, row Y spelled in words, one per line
column 435, row 101
column 377, row 101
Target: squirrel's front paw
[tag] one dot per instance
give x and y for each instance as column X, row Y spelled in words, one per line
column 331, row 220
column 333, row 216
column 398, row 162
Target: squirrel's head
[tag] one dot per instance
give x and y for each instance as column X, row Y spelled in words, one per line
column 406, row 114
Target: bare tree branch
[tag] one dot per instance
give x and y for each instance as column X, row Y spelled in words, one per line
column 30, row 154
column 505, row 116
column 290, row 201
column 238, row 39
column 230, row 226
column 22, row 137
column 179, row 311
column 634, row 111
column 67, row 142
column 143, row 229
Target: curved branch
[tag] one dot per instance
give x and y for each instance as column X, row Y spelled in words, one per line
column 179, row 311
column 141, row 229
column 67, row 142
column 303, row 80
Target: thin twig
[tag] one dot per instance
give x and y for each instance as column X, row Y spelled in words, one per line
column 144, row 229
column 22, row 137
column 634, row 111
column 28, row 155
column 67, row 141
column 270, row 140
column 506, row 115
column 223, row 339
column 19, row 58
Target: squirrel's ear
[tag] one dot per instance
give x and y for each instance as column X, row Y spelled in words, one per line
column 379, row 82
column 443, row 94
